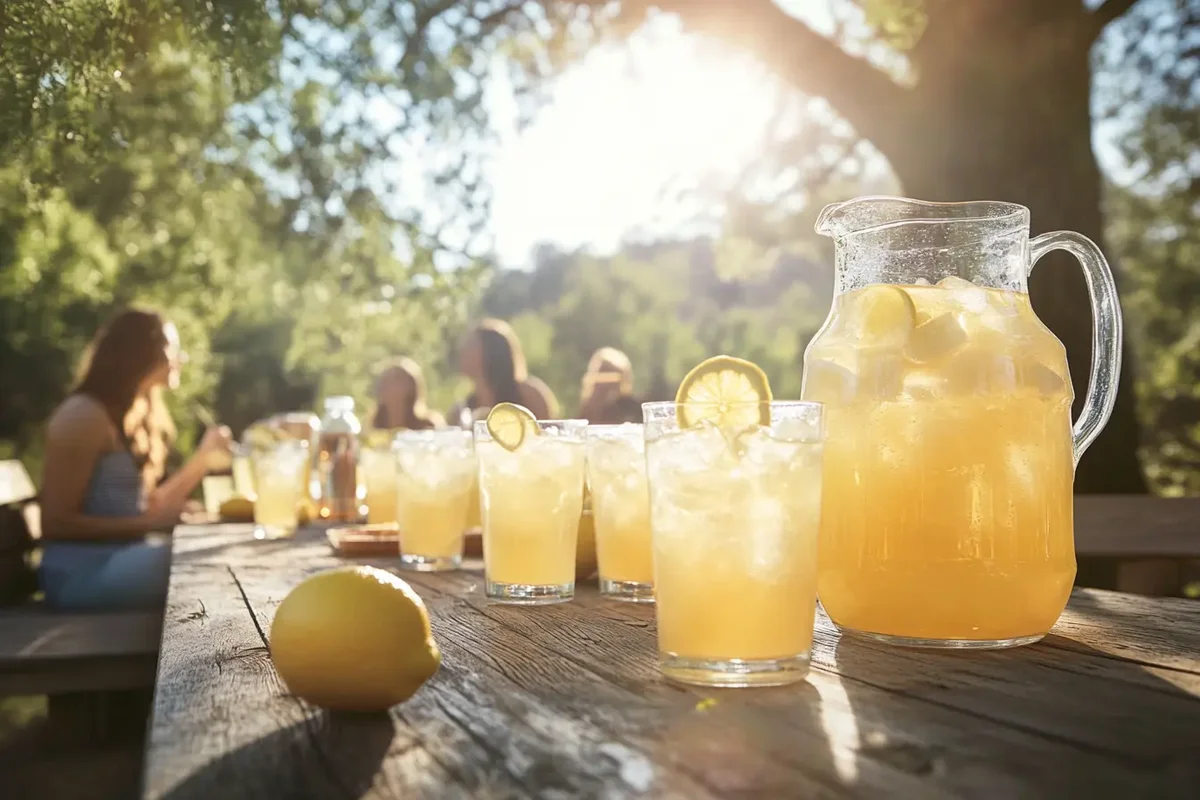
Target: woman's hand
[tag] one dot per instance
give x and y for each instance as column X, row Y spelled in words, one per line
column 162, row 516
column 216, row 448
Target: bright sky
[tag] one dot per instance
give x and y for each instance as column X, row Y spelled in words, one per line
column 621, row 129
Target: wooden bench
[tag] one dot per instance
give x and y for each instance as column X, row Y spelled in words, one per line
column 45, row 652
column 1136, row 543
column 97, row 669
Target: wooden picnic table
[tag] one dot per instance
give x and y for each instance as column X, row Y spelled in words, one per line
column 566, row 701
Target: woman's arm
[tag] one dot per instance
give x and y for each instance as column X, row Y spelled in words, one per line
column 78, row 434
column 174, row 491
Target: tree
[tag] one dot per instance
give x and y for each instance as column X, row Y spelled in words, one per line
column 232, row 164
column 988, row 99
column 1154, row 209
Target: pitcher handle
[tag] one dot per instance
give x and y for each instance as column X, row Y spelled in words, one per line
column 1107, row 331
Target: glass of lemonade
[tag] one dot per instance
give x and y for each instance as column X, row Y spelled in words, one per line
column 532, row 498
column 243, row 471
column 435, row 482
column 377, row 460
column 735, row 514
column 616, row 469
column 279, row 480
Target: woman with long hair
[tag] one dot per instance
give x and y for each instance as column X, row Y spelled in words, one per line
column 102, row 487
column 606, row 395
column 400, row 401
column 491, row 357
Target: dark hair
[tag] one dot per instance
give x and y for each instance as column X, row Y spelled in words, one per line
column 125, row 351
column 417, row 415
column 503, row 362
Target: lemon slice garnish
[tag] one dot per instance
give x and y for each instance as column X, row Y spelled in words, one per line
column 729, row 392
column 508, row 423
column 885, row 315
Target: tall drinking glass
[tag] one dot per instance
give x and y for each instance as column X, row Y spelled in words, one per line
column 532, row 499
column 243, row 471
column 434, row 488
column 377, row 461
column 616, row 468
column 279, row 480
column 734, row 516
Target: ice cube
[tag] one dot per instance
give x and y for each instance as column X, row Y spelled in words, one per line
column 827, row 382
column 969, row 296
column 879, row 375
column 936, row 339
column 976, row 371
column 1032, row 374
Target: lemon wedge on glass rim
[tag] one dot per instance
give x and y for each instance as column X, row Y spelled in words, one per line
column 509, row 423
column 725, row 391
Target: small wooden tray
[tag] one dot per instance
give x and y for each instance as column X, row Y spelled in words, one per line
column 372, row 541
column 364, row 541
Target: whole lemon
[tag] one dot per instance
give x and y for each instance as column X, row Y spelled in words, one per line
column 353, row 639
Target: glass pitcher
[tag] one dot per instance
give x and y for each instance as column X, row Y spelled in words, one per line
column 950, row 454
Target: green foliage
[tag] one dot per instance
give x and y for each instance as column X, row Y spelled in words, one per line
column 668, row 306
column 187, row 156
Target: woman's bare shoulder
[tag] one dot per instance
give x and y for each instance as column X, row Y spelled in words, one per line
column 81, row 419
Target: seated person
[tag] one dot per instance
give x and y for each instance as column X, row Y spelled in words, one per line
column 400, row 402
column 606, row 396
column 106, row 450
column 491, row 357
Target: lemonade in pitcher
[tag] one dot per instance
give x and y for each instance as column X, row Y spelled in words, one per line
column 949, row 461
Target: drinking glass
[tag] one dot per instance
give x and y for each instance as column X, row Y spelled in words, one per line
column 734, row 517
column 532, row 500
column 435, row 482
column 379, row 477
column 243, row 471
column 616, row 469
column 279, row 478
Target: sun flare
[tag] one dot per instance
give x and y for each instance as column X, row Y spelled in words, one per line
column 624, row 130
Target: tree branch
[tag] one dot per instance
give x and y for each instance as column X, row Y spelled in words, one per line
column 1108, row 12
column 864, row 95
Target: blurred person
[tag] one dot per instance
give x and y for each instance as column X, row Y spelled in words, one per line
column 106, row 452
column 400, row 398
column 606, row 394
column 491, row 357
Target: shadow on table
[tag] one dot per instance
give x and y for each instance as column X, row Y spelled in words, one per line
column 1040, row 720
column 329, row 754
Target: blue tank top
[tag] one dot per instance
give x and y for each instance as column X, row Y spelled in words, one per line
column 115, row 490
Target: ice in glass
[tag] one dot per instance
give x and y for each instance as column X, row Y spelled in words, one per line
column 377, row 461
column 735, row 514
column 433, row 492
column 531, row 496
column 279, row 482
column 616, row 469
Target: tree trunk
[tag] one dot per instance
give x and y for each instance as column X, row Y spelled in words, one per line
column 1004, row 114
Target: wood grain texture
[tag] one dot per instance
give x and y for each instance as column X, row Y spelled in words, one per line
column 1137, row 526
column 567, row 701
column 44, row 652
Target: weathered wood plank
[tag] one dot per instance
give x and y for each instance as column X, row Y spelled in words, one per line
column 567, row 701
column 35, row 633
column 223, row 726
column 1137, row 526
column 881, row 738
column 492, row 696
